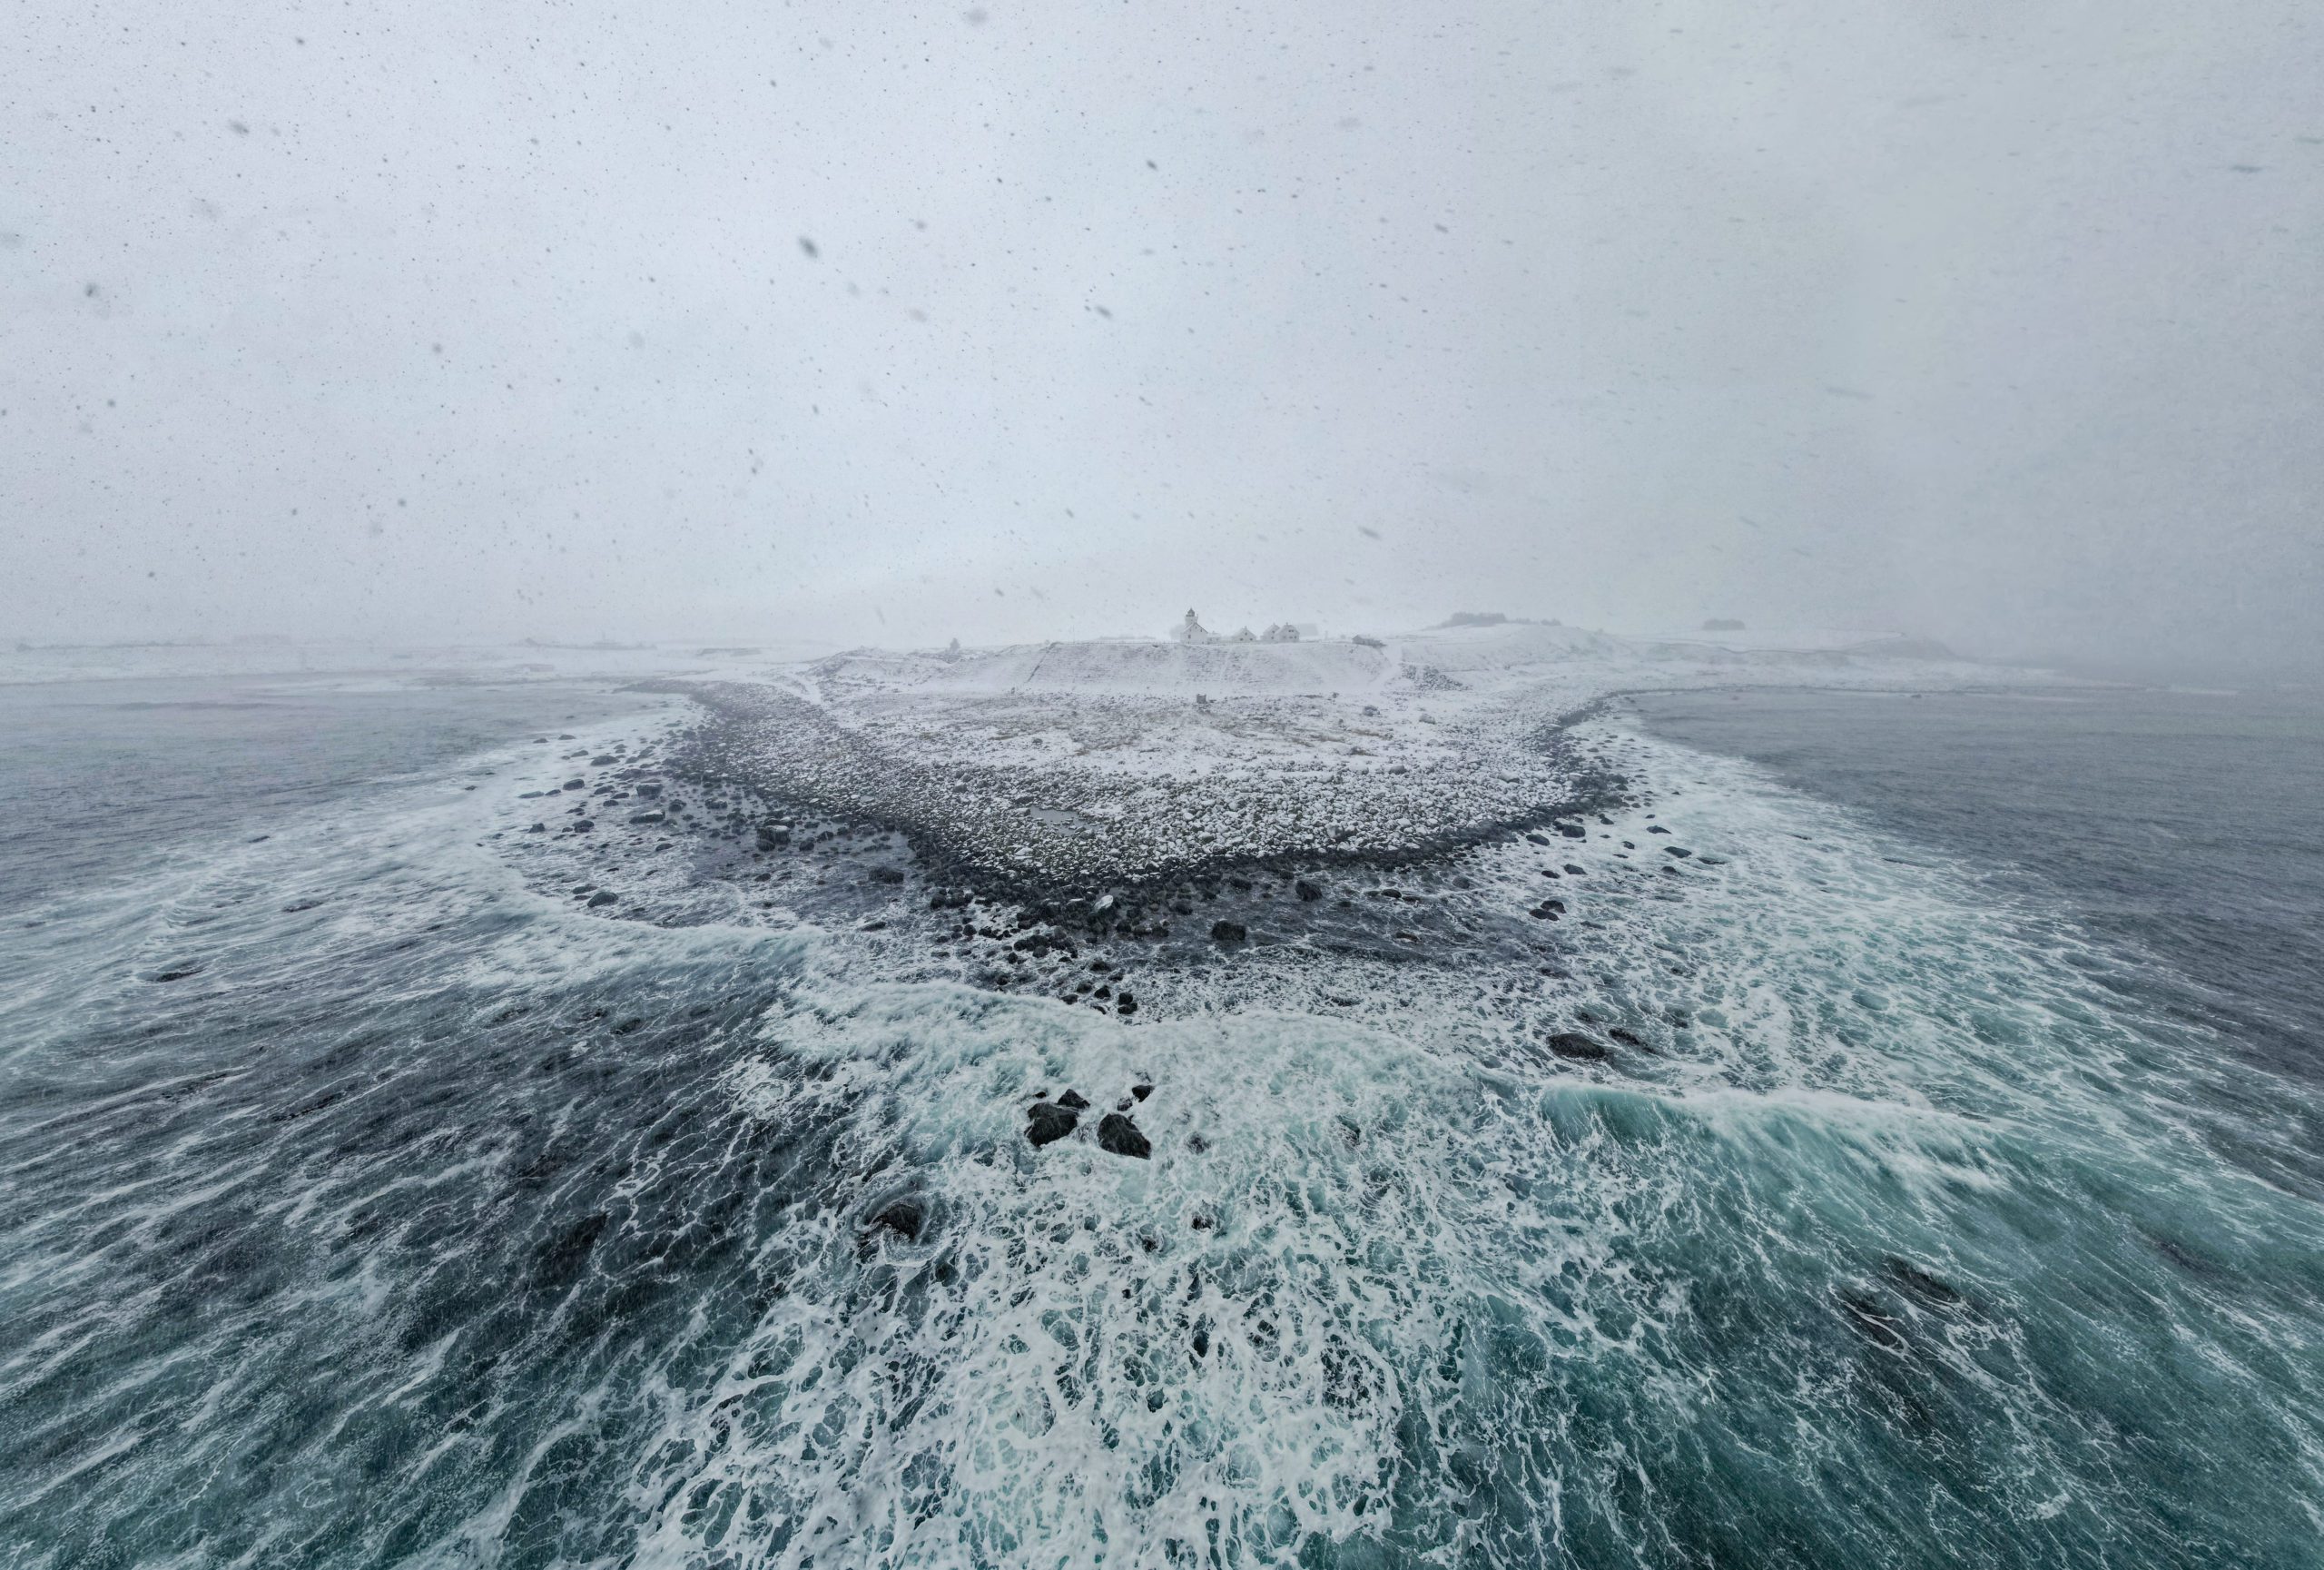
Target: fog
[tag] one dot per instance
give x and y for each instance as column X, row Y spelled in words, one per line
column 1996, row 323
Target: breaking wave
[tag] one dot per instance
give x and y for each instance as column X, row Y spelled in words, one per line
column 418, row 1216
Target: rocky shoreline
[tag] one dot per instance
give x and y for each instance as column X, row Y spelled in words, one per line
column 1029, row 824
column 1485, row 896
column 983, row 829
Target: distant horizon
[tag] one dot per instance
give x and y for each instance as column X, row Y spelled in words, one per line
column 789, row 649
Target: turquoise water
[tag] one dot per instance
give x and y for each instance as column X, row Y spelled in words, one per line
column 421, row 1217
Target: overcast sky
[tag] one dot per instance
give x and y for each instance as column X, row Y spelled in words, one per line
column 2000, row 322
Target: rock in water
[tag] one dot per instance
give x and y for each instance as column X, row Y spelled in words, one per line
column 902, row 1217
column 1920, row 1283
column 1227, row 932
column 1116, row 1135
column 1073, row 1101
column 1047, row 1123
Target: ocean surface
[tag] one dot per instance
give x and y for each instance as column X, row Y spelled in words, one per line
column 364, row 1200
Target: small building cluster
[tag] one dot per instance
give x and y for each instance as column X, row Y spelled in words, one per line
column 1192, row 630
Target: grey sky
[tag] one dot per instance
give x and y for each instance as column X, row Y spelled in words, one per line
column 2002, row 324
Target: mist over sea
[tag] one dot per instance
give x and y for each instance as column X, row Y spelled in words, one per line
column 368, row 1198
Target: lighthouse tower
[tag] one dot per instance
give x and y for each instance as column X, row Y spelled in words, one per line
column 1191, row 631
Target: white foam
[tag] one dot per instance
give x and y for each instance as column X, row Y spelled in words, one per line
column 1428, row 1242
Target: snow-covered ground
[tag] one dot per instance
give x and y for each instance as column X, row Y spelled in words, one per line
column 1109, row 761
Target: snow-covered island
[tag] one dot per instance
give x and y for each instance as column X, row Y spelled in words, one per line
column 1051, row 767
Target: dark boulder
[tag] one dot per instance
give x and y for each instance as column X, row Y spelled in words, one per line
column 1073, row 1101
column 904, row 1218
column 1126, row 1004
column 1227, row 932
column 1920, row 1283
column 1627, row 1037
column 1656, row 829
column 1573, row 871
column 1141, row 1091
column 1308, row 891
column 1116, row 1135
column 1573, row 831
column 887, row 875
column 1681, row 852
column 602, row 898
column 1576, row 1046
column 1047, row 1123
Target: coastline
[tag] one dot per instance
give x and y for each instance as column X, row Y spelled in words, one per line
column 1202, row 830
